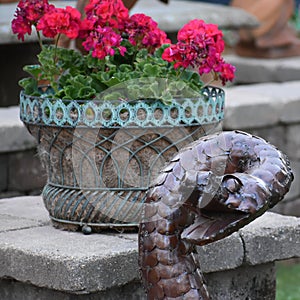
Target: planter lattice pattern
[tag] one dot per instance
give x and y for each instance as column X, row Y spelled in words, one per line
column 101, row 156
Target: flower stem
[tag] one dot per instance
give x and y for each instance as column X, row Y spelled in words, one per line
column 55, row 49
column 39, row 38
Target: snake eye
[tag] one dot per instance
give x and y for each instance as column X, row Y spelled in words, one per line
column 232, row 185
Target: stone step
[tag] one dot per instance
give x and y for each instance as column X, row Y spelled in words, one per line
column 13, row 134
column 258, row 70
column 262, row 105
column 58, row 264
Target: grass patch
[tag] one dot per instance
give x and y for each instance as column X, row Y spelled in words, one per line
column 288, row 281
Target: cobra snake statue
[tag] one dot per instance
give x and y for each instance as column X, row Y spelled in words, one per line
column 209, row 190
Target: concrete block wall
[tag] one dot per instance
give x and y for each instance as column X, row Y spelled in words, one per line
column 38, row 261
column 20, row 169
column 21, row 174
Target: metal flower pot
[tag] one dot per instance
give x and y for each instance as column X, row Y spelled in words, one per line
column 100, row 156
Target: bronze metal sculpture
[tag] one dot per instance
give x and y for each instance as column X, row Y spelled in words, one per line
column 209, row 190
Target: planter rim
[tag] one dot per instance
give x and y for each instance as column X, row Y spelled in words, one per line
column 44, row 111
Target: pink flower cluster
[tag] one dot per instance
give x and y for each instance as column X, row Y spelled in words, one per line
column 106, row 13
column 109, row 22
column 105, row 26
column 29, row 13
column 60, row 21
column 103, row 42
column 46, row 18
column 200, row 46
column 102, row 26
column 143, row 32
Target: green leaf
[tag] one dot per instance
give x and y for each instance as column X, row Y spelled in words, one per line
column 167, row 98
column 141, row 55
column 30, row 86
column 86, row 93
column 34, row 70
column 113, row 96
column 150, row 70
column 125, row 68
column 78, row 87
column 110, row 81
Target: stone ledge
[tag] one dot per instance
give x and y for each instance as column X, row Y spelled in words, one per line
column 272, row 237
column 259, row 105
column 31, row 250
column 13, row 134
column 258, row 70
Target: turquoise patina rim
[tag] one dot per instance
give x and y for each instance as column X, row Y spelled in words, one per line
column 115, row 114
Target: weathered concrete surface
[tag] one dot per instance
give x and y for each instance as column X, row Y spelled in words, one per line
column 248, row 109
column 32, row 251
column 254, row 70
column 3, row 172
column 257, row 283
column 211, row 256
column 293, row 136
column 68, row 262
column 266, row 238
column 20, row 176
column 11, row 289
column 259, row 105
column 13, row 134
column 291, row 207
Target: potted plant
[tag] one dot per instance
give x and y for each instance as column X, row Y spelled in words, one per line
column 106, row 119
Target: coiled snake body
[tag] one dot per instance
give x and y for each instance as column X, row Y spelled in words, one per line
column 209, row 190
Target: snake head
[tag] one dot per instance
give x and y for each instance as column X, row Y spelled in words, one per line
column 243, row 192
column 239, row 199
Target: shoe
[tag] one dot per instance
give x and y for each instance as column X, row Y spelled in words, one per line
column 248, row 49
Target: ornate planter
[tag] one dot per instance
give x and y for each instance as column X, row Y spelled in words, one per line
column 100, row 156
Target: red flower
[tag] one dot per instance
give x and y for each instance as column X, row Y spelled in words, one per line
column 103, row 42
column 28, row 13
column 144, row 32
column 175, row 54
column 226, row 72
column 200, row 46
column 66, row 21
column 111, row 13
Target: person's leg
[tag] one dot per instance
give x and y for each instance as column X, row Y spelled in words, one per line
column 274, row 37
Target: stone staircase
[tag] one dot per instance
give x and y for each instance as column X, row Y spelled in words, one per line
column 251, row 70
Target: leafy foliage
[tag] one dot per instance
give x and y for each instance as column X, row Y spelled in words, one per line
column 124, row 56
column 75, row 76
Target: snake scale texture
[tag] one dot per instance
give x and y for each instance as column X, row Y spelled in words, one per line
column 209, row 190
